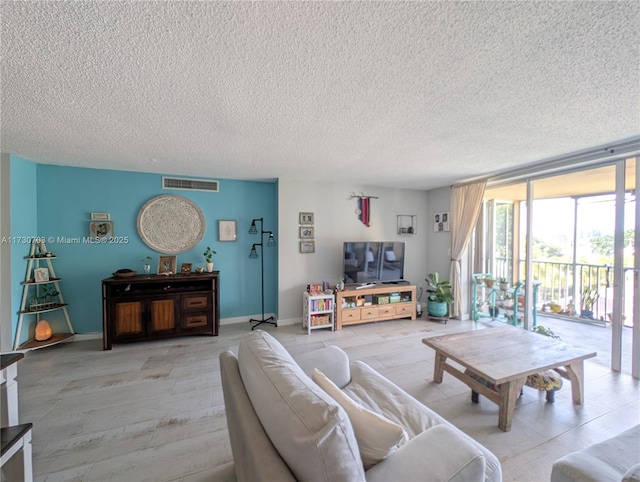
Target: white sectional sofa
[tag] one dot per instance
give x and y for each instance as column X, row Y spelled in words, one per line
column 283, row 426
column 615, row 459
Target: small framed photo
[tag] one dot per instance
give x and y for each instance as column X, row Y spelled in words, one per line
column 227, row 230
column 306, row 218
column 41, row 275
column 167, row 264
column 441, row 222
column 100, row 217
column 307, row 247
column 100, row 229
column 185, row 268
column 306, row 232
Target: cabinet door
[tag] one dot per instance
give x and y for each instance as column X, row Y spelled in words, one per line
column 162, row 315
column 128, row 319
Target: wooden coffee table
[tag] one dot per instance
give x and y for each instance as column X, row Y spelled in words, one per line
column 505, row 356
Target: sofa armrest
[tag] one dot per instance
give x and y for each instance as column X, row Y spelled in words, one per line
column 439, row 453
column 331, row 361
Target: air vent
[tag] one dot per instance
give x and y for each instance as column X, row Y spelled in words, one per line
column 189, row 184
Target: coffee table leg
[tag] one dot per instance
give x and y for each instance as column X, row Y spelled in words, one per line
column 509, row 393
column 437, row 369
column 575, row 372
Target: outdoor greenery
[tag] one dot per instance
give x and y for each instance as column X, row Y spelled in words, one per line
column 603, row 245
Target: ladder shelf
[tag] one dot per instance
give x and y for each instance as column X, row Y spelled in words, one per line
column 35, row 305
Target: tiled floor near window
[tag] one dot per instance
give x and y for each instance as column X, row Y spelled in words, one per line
column 154, row 411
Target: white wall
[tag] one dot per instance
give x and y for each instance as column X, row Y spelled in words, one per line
column 6, row 340
column 335, row 223
column 439, row 254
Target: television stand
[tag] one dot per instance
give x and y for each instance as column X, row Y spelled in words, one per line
column 366, row 304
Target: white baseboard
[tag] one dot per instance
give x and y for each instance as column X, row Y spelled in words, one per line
column 85, row 336
column 245, row 319
column 224, row 321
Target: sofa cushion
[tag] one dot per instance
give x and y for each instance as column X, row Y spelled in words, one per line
column 606, row 460
column 310, row 431
column 330, row 360
column 377, row 436
column 632, row 475
column 438, row 454
column 379, row 394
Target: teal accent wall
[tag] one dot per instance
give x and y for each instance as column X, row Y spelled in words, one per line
column 24, row 224
column 67, row 196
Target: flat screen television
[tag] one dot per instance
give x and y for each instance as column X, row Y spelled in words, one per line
column 373, row 262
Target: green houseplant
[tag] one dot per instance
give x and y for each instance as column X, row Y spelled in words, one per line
column 208, row 256
column 440, row 294
column 589, row 298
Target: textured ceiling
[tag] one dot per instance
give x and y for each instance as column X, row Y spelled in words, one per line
column 398, row 94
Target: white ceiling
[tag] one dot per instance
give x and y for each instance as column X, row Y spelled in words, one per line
column 397, row 94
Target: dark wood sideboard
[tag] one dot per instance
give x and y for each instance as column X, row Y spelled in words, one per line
column 149, row 307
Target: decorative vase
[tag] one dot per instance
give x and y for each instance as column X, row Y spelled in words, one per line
column 210, row 267
column 146, row 268
column 435, row 308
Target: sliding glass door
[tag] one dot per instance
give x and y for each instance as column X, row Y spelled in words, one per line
column 574, row 232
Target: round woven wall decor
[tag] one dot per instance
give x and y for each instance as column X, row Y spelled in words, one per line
column 171, row 224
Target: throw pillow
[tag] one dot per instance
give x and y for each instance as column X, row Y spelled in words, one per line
column 376, row 435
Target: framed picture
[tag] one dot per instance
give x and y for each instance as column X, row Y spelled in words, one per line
column 185, row 268
column 40, row 275
column 100, row 229
column 441, row 222
column 167, row 264
column 306, row 232
column 100, row 217
column 227, row 230
column 307, row 247
column 306, row 218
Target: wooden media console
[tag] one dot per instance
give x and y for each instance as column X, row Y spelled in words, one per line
column 375, row 303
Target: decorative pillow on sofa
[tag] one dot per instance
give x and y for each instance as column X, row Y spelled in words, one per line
column 377, row 436
column 310, row 431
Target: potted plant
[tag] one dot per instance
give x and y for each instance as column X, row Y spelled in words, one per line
column 589, row 298
column 440, row 294
column 504, row 284
column 208, row 256
column 489, row 281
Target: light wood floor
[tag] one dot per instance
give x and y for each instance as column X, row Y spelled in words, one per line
column 154, row 411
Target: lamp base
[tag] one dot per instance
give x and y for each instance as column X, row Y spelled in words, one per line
column 270, row 321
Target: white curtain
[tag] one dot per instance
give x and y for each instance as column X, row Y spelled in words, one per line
column 466, row 202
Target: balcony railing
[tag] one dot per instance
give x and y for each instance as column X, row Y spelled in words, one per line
column 564, row 284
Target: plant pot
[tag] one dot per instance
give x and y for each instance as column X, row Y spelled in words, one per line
column 504, row 286
column 586, row 314
column 494, row 311
column 489, row 283
column 210, row 267
column 436, row 308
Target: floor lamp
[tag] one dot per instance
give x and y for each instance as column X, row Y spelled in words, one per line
column 271, row 242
